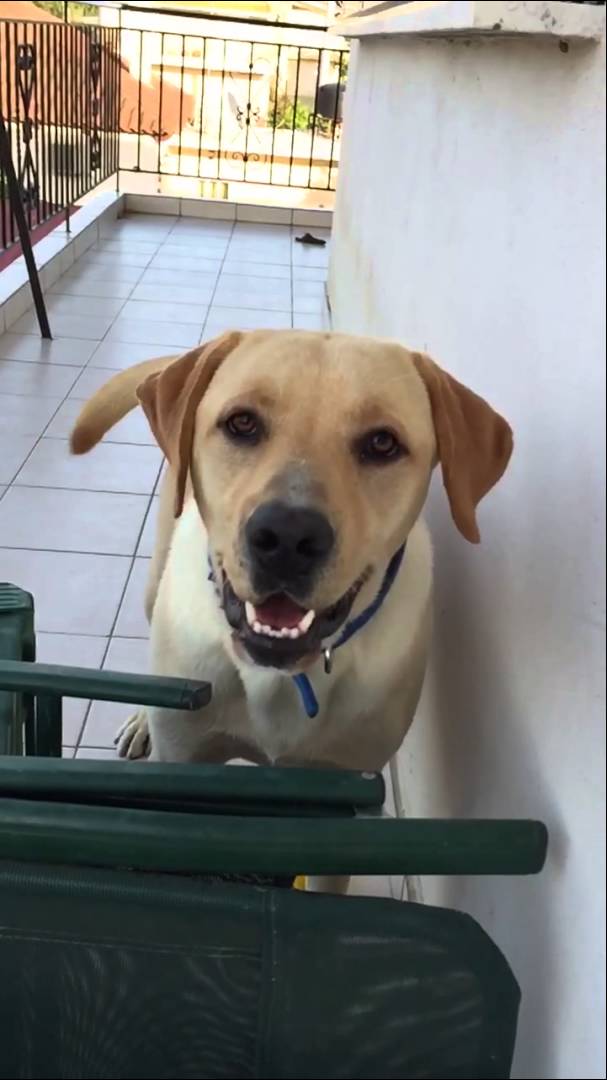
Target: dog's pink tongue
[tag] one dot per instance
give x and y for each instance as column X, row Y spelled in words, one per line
column 279, row 612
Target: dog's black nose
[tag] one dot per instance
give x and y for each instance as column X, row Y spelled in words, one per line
column 287, row 543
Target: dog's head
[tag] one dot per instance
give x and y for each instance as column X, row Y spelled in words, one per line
column 310, row 456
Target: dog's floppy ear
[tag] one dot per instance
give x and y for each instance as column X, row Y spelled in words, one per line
column 474, row 443
column 171, row 397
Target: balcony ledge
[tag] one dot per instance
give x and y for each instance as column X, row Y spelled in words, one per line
column 469, row 18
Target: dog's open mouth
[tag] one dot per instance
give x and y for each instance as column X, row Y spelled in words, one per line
column 279, row 632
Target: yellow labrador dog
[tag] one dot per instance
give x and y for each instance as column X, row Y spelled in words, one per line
column 292, row 569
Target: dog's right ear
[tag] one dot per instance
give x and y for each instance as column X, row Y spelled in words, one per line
column 171, row 397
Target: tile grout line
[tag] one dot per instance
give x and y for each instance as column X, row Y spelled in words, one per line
column 129, row 572
column 86, row 490
column 47, row 425
column 150, row 497
column 114, row 623
column 149, row 511
column 40, row 363
column 144, row 269
column 111, row 635
column 125, row 301
column 95, row 247
column 79, row 370
column 216, row 286
column 77, row 551
column 62, row 403
column 105, row 440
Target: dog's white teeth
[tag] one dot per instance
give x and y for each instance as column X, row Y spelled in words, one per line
column 267, row 631
column 305, row 623
column 292, row 632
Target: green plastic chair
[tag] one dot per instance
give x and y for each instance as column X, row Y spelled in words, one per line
column 131, row 946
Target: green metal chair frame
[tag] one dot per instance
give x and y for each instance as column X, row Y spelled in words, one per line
column 125, row 953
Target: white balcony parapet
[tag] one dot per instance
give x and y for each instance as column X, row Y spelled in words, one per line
column 446, row 18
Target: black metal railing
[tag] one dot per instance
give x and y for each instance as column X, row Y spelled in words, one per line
column 84, row 102
column 60, row 102
column 228, row 111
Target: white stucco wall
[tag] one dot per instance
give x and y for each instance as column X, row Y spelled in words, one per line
column 470, row 222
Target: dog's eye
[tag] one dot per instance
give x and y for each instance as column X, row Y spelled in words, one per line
column 379, row 446
column 243, row 426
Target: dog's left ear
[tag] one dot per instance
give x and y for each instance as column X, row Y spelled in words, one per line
column 170, row 398
column 474, row 443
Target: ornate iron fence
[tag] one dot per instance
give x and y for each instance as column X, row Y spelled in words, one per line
column 82, row 103
column 60, row 100
column 221, row 111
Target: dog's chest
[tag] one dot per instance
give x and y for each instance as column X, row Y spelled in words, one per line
column 276, row 718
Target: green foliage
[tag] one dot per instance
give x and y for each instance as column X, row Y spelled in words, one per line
column 345, row 64
column 289, row 115
column 75, row 11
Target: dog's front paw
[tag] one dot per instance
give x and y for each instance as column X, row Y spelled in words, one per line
column 133, row 739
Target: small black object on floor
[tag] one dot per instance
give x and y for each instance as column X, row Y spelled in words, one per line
column 307, row 238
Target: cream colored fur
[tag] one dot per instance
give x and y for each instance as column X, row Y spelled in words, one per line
column 320, row 385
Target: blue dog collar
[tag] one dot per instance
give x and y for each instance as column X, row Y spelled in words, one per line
column 302, row 682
